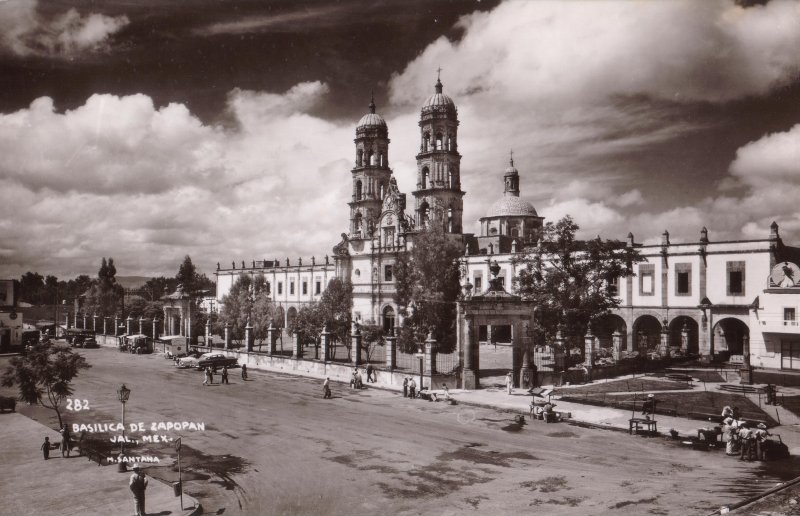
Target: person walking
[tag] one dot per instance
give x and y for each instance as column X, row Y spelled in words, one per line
column 326, row 388
column 370, row 372
column 649, row 405
column 412, row 389
column 138, row 484
column 509, row 382
column 244, row 371
column 46, row 448
column 446, row 392
column 746, row 440
column 224, row 374
column 760, row 437
column 65, row 441
column 209, row 379
column 405, row 387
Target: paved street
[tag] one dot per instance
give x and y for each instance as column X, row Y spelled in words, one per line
column 272, row 445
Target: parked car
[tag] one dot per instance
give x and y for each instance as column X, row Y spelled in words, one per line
column 7, row 403
column 217, row 360
column 189, row 361
column 90, row 342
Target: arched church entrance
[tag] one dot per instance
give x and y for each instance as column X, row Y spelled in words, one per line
column 388, row 319
column 728, row 336
column 291, row 315
column 646, row 334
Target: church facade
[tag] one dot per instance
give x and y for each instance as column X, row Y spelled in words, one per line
column 714, row 298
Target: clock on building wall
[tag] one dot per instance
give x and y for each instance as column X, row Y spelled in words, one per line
column 785, row 275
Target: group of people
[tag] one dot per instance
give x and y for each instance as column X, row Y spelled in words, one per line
column 65, row 445
column 209, row 375
column 409, row 388
column 742, row 439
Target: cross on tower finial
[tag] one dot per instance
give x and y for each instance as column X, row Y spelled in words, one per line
column 439, row 73
column 511, row 159
column 372, row 101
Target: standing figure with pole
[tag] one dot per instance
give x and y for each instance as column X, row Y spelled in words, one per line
column 123, row 393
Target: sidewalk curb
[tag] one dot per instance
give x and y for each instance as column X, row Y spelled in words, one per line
column 198, row 507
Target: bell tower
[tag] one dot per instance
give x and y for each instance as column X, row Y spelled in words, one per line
column 438, row 198
column 371, row 173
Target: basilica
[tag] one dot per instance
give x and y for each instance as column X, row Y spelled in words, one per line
column 724, row 300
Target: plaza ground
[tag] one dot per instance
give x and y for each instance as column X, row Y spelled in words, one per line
column 273, row 445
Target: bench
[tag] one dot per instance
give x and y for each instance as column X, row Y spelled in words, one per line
column 637, row 423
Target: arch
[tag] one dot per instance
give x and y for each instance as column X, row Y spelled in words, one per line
column 382, row 191
column 439, row 141
column 291, row 315
column 646, row 334
column 604, row 327
column 357, row 223
column 423, row 213
column 359, row 190
column 684, row 332
column 728, row 336
column 425, row 177
column 451, row 142
column 371, row 158
column 359, row 157
column 426, row 139
column 388, row 318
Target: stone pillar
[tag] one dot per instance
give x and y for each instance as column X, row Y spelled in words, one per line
column 746, row 372
column 116, row 325
column 297, row 351
column 248, row 336
column 325, row 343
column 391, row 350
column 525, row 379
column 272, row 336
column 84, row 321
column 155, row 328
column 66, row 320
column 227, row 336
column 430, row 355
column 616, row 344
column 128, row 323
column 471, row 360
column 141, row 325
column 189, row 326
column 94, row 323
column 208, row 332
column 105, row 326
column 588, row 349
column 664, row 348
column 704, row 335
column 558, row 351
column 75, row 319
column 355, row 347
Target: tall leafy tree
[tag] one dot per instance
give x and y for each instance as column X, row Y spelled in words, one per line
column 247, row 300
column 156, row 288
column 571, row 281
column 44, row 375
column 187, row 273
column 427, row 287
column 31, row 288
column 335, row 309
column 105, row 297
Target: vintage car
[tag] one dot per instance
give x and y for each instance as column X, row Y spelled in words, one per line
column 216, row 360
column 89, row 342
column 7, row 403
column 188, row 361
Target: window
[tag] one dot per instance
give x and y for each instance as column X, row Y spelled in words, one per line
column 318, row 287
column 683, row 279
column 291, row 288
column 387, row 273
column 613, row 286
column 477, row 280
column 735, row 278
column 305, row 288
column 788, row 315
column 280, row 287
column 501, row 282
column 647, row 274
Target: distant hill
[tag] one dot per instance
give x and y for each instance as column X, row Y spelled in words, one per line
column 132, row 281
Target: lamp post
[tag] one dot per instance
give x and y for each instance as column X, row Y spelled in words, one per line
column 421, row 356
column 123, row 393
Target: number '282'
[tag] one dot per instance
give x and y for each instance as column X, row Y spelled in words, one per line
column 77, row 405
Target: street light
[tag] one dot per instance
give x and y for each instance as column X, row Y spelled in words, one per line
column 123, row 393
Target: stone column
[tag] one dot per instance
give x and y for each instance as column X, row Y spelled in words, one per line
column 94, row 323
column 66, row 320
column 227, row 336
column 704, row 335
column 525, row 379
column 155, row 328
column 391, row 350
column 128, row 323
column 248, row 336
column 116, row 325
column 208, row 332
column 664, row 348
column 746, row 372
column 105, row 326
column 297, row 351
column 355, row 347
column 141, row 325
column 558, row 351
column 189, row 326
column 325, row 343
column 588, row 349
column 471, row 360
column 84, row 320
column 430, row 355
column 616, row 344
column 75, row 319
column 272, row 336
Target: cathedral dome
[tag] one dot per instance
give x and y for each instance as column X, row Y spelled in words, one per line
column 371, row 119
column 511, row 206
column 439, row 100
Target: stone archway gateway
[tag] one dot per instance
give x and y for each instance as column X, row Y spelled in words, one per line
column 495, row 307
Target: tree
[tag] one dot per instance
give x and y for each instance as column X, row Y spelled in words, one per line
column 31, row 288
column 105, row 296
column 158, row 287
column 372, row 336
column 44, row 375
column 570, row 281
column 186, row 275
column 335, row 309
column 427, row 287
column 247, row 300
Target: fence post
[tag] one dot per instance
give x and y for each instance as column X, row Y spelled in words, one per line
column 391, row 351
column 141, row 325
column 355, row 348
column 116, row 326
column 248, row 336
column 227, row 335
column 128, row 322
column 105, row 320
column 297, row 353
column 155, row 328
column 664, row 351
column 272, row 337
column 94, row 322
column 208, row 333
column 430, row 355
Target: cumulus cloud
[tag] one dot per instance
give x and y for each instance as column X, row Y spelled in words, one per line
column 119, row 176
column 23, row 31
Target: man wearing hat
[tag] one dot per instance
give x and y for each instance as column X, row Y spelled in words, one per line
column 649, row 405
column 746, row 440
column 138, row 484
column 760, row 435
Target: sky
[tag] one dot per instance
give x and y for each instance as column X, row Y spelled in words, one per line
column 147, row 130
